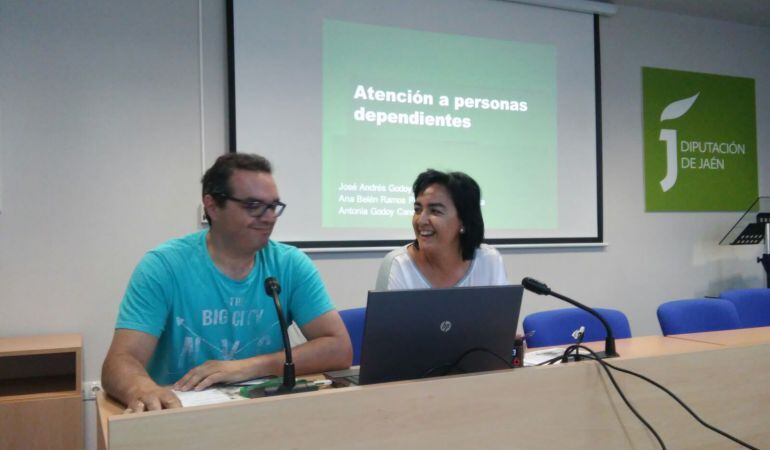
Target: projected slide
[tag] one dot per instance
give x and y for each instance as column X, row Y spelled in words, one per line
column 397, row 101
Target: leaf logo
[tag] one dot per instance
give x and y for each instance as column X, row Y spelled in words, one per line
column 678, row 108
column 674, row 110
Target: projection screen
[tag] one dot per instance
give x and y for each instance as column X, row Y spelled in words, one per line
column 351, row 99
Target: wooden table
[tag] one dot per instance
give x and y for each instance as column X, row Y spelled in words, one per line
column 570, row 406
column 646, row 346
column 734, row 338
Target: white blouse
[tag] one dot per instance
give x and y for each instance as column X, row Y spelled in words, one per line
column 398, row 270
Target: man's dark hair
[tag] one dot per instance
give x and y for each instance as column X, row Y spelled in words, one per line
column 466, row 195
column 216, row 180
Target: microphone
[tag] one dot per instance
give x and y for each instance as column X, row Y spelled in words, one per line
column 541, row 288
column 289, row 385
column 272, row 287
column 535, row 286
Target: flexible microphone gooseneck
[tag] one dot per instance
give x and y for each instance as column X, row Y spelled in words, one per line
column 273, row 288
column 540, row 288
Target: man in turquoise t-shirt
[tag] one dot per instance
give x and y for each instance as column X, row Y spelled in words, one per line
column 196, row 312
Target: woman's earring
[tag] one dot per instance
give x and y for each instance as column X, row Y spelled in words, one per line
column 462, row 230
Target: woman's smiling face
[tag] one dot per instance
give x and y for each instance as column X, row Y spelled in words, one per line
column 436, row 222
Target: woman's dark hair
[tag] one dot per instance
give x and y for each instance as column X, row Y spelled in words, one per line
column 216, row 180
column 466, row 195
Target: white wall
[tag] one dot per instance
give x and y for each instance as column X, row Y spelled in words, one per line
column 100, row 157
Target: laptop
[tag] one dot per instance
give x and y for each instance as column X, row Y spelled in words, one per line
column 421, row 333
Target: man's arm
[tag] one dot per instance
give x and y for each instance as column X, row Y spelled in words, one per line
column 328, row 348
column 124, row 375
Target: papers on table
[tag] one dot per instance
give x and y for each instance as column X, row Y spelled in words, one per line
column 535, row 357
column 208, row 396
column 221, row 394
column 259, row 381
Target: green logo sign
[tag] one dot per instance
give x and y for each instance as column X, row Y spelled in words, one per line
column 700, row 141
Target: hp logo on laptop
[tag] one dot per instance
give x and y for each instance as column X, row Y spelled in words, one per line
column 445, row 326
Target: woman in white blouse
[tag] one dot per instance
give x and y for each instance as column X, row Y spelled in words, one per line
column 449, row 230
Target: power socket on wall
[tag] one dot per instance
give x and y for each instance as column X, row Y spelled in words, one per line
column 90, row 389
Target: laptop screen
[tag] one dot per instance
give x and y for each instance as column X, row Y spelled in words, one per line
column 421, row 333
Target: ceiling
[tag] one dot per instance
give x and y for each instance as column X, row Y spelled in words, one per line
column 750, row 12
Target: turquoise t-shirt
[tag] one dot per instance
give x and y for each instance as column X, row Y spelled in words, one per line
column 177, row 294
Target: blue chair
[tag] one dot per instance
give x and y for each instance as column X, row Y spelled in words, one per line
column 696, row 315
column 354, row 322
column 555, row 327
column 753, row 306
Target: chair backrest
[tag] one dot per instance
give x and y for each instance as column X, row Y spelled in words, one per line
column 354, row 322
column 753, row 306
column 555, row 327
column 696, row 315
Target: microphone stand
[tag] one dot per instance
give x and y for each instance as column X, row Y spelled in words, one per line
column 542, row 289
column 289, row 384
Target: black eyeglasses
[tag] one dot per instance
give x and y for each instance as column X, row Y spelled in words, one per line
column 255, row 208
